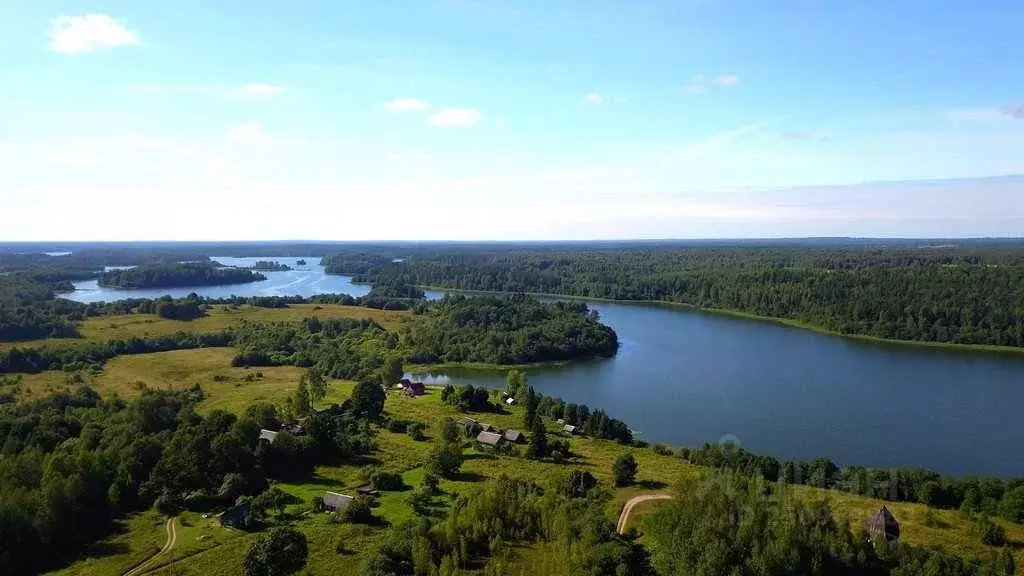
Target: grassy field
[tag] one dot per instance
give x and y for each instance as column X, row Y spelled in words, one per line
column 206, row 548
column 225, row 387
column 221, row 317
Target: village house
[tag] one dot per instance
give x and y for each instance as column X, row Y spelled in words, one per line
column 336, row 502
column 237, row 516
column 491, row 440
column 883, row 528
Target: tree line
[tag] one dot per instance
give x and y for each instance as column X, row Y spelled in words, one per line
column 968, row 294
column 506, row 330
column 988, row 496
column 177, row 274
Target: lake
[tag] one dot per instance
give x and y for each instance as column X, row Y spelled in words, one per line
column 684, row 377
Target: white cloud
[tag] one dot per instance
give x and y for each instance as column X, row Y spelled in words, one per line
column 407, row 105
column 593, row 99
column 261, row 90
column 700, row 84
column 455, row 117
column 798, row 135
column 77, row 34
column 1014, row 111
column 726, row 80
column 978, row 114
column 251, row 133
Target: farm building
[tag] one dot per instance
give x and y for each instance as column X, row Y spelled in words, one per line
column 490, row 439
column 237, row 516
column 336, row 502
column 883, row 527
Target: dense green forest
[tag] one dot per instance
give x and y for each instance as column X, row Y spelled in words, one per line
column 498, row 330
column 744, row 526
column 972, row 294
column 72, row 462
column 507, row 330
column 989, row 496
column 29, row 310
column 176, row 274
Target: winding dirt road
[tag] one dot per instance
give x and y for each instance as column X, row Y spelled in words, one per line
column 172, row 539
column 628, row 508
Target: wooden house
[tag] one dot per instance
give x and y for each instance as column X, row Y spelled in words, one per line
column 883, row 527
column 491, row 439
column 336, row 502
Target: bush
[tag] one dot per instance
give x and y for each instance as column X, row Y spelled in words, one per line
column 359, row 511
column 417, row 431
column 624, row 470
column 281, row 552
column 387, row 481
column 990, row 533
column 662, row 450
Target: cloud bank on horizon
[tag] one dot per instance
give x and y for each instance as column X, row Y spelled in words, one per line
column 492, row 119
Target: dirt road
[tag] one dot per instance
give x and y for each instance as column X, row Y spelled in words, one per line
column 172, row 539
column 628, row 508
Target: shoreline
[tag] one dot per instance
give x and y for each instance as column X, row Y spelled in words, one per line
column 787, row 322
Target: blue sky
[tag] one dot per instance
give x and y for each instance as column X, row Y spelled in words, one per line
column 488, row 119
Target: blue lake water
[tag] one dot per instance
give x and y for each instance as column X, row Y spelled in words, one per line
column 684, row 377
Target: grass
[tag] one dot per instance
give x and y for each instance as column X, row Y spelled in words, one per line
column 221, row 317
column 206, row 548
column 226, row 388
column 134, row 540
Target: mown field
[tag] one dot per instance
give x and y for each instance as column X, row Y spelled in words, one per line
column 203, row 547
column 220, row 317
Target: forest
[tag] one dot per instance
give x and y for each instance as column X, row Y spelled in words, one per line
column 506, row 330
column 989, row 496
column 969, row 294
column 177, row 274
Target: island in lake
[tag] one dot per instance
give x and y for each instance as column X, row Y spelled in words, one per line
column 270, row 266
column 175, row 274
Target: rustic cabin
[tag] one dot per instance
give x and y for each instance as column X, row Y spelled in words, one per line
column 514, row 436
column 490, row 439
column 569, row 429
column 336, row 502
column 883, row 527
column 236, row 516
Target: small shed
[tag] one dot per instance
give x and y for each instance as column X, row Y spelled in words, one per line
column 514, row 436
column 490, row 439
column 883, row 527
column 336, row 502
column 268, row 435
column 236, row 516
column 569, row 429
